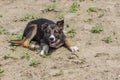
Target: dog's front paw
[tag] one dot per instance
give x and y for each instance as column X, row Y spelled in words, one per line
column 74, row 48
column 43, row 53
column 44, row 50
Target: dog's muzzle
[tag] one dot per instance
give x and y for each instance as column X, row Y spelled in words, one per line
column 52, row 41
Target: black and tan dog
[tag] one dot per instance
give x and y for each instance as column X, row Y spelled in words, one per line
column 47, row 34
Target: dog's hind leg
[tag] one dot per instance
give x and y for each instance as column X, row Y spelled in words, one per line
column 29, row 34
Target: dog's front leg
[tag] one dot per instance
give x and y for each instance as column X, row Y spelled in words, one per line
column 69, row 45
column 44, row 49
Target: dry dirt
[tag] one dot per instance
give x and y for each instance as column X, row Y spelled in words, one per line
column 96, row 59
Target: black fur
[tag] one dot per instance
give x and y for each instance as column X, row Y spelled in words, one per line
column 42, row 25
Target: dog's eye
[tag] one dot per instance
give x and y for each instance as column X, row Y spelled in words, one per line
column 56, row 31
column 48, row 31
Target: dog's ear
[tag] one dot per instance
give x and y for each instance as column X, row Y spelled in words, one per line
column 60, row 24
column 44, row 26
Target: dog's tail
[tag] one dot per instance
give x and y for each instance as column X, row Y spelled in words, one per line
column 17, row 42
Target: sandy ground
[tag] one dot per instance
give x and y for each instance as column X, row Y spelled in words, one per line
column 96, row 59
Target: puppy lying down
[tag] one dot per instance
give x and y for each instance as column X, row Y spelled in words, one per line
column 47, row 33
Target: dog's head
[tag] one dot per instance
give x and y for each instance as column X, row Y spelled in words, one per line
column 53, row 33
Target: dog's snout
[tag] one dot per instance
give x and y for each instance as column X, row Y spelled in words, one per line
column 52, row 38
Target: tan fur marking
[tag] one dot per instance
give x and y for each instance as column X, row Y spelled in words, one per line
column 68, row 43
column 25, row 44
column 27, row 41
column 33, row 32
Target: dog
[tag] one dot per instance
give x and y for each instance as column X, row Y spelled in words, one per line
column 47, row 33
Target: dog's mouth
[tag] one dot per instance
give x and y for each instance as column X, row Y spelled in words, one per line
column 52, row 43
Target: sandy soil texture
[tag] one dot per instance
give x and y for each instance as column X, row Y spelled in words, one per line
column 96, row 59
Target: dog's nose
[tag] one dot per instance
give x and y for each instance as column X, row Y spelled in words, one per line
column 51, row 39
